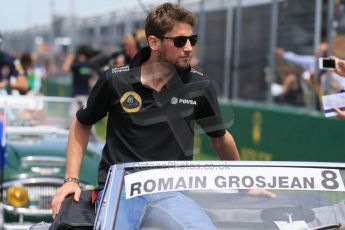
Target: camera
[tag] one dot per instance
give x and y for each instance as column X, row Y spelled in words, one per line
column 327, row 63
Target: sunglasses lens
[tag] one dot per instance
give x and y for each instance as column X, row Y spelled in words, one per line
column 193, row 39
column 180, row 41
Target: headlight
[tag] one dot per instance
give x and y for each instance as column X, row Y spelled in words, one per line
column 17, row 196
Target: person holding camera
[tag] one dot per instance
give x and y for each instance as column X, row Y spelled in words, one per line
column 340, row 70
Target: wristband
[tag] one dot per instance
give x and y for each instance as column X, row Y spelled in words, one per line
column 71, row 179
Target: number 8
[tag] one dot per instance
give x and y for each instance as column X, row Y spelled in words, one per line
column 329, row 177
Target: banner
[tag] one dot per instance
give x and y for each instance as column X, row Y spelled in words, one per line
column 218, row 178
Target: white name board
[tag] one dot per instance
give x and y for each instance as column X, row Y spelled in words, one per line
column 200, row 178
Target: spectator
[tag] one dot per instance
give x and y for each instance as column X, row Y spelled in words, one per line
column 140, row 38
column 340, row 70
column 79, row 66
column 12, row 78
column 131, row 46
column 313, row 85
column 287, row 89
column 29, row 70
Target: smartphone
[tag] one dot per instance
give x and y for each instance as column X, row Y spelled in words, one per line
column 326, row 63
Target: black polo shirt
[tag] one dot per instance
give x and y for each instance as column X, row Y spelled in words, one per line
column 81, row 74
column 146, row 125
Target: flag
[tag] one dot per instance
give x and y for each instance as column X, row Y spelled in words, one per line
column 3, row 147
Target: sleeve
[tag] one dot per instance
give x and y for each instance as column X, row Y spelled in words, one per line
column 13, row 70
column 307, row 62
column 208, row 115
column 98, row 102
column 100, row 60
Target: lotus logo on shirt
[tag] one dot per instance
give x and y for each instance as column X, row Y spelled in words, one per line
column 131, row 102
column 175, row 100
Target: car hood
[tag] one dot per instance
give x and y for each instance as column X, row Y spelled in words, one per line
column 24, row 146
column 42, row 156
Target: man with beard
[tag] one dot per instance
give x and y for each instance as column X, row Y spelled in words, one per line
column 151, row 105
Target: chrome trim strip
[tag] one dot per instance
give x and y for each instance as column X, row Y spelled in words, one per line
column 17, row 226
column 50, row 181
column 27, row 211
column 42, row 160
column 36, row 130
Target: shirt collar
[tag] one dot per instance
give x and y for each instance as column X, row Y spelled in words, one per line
column 144, row 54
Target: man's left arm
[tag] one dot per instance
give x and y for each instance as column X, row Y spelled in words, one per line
column 227, row 150
column 225, row 146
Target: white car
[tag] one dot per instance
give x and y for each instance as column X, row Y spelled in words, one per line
column 233, row 194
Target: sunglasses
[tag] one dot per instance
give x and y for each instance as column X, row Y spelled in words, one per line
column 180, row 41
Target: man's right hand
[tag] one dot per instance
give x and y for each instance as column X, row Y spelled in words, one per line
column 65, row 190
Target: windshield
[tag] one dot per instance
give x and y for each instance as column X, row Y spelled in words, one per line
column 38, row 111
column 230, row 195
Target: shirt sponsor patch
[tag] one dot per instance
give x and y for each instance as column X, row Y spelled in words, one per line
column 175, row 100
column 131, row 102
column 120, row 69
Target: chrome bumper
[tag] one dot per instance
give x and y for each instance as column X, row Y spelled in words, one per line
column 26, row 226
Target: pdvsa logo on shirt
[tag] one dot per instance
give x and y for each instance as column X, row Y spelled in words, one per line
column 131, row 102
column 175, row 100
column 120, row 69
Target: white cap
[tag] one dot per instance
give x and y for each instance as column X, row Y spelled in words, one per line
column 306, row 75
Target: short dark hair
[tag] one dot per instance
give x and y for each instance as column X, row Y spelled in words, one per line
column 26, row 61
column 161, row 19
column 86, row 50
